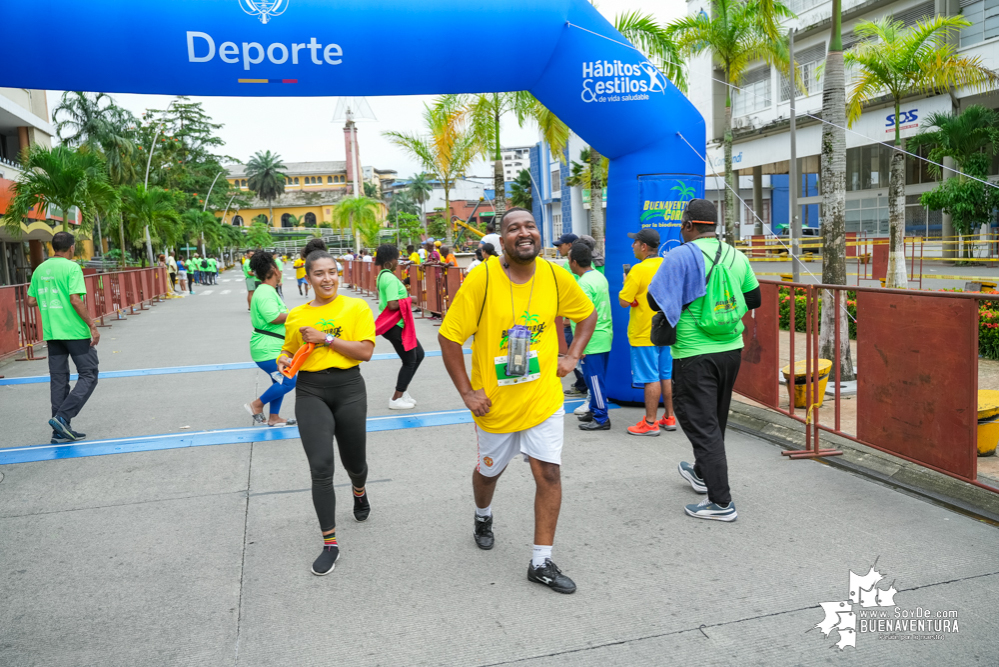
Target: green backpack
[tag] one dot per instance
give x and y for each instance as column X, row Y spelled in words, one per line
column 723, row 305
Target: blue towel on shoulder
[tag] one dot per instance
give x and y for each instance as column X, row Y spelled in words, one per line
column 679, row 281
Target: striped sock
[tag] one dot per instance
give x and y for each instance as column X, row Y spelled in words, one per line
column 329, row 541
column 358, row 494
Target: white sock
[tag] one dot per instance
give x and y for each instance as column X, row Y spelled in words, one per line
column 484, row 511
column 541, row 552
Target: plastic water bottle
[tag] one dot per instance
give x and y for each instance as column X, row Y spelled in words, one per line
column 518, row 350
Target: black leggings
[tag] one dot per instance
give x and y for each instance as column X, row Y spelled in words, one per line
column 328, row 404
column 411, row 360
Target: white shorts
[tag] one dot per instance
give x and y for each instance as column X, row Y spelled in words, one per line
column 542, row 442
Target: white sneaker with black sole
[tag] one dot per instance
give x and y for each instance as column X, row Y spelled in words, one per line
column 687, row 472
column 709, row 510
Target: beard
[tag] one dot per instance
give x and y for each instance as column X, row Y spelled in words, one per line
column 522, row 254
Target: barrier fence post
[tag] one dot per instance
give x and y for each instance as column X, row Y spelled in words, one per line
column 812, row 397
column 29, row 324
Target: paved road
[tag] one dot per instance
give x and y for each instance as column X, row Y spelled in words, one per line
column 200, row 556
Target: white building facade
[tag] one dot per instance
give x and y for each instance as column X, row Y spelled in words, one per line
column 761, row 119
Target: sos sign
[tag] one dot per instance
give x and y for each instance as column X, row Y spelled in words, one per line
column 904, row 117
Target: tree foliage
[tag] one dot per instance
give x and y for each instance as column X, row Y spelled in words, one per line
column 65, row 178
column 520, row 190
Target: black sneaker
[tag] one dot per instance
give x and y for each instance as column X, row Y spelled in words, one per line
column 60, row 439
column 484, row 531
column 362, row 508
column 326, row 561
column 585, row 417
column 552, row 577
column 60, row 426
column 76, row 434
column 574, row 391
column 594, row 425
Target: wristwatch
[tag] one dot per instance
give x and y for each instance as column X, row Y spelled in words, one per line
column 329, row 340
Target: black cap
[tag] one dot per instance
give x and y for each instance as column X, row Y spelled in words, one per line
column 566, row 238
column 649, row 237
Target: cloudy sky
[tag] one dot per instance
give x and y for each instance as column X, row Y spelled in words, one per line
column 301, row 129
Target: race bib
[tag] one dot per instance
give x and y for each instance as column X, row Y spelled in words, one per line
column 504, row 380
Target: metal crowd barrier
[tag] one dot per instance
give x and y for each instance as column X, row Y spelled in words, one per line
column 431, row 287
column 917, row 389
column 108, row 294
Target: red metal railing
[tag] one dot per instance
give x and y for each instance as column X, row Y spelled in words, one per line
column 917, row 389
column 432, row 287
column 107, row 294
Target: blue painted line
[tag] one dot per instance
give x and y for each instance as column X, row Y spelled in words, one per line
column 172, row 370
column 231, row 436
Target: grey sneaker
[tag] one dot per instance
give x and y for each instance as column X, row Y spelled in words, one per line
column 709, row 510
column 687, row 472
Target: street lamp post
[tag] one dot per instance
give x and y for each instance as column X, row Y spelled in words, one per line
column 149, row 162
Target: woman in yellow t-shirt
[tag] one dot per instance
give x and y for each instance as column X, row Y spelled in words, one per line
column 330, row 397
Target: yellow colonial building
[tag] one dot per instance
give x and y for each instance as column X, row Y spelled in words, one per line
column 311, row 191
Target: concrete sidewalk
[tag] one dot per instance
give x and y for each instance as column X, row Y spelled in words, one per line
column 201, row 556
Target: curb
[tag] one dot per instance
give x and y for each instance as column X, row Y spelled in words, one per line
column 886, row 469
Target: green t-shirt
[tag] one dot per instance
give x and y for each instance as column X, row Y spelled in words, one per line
column 212, row 264
column 52, row 283
column 246, row 269
column 390, row 288
column 595, row 287
column 264, row 309
column 691, row 340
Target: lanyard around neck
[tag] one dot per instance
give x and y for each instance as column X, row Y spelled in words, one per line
column 513, row 309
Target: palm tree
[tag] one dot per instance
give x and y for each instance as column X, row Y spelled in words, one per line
column 152, row 208
column 199, row 225
column 520, row 190
column 265, row 179
column 903, row 62
column 370, row 190
column 420, row 188
column 60, row 177
column 258, row 235
column 483, row 114
column 357, row 213
column 95, row 121
column 446, row 151
column 738, row 34
column 656, row 42
column 971, row 139
column 833, row 178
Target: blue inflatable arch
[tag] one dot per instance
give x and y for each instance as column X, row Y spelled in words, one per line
column 562, row 51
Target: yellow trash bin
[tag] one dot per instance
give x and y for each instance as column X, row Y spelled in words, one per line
column 796, row 389
column 988, row 421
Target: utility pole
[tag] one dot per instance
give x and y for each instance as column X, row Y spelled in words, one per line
column 794, row 178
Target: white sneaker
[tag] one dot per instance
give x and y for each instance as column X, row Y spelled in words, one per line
column 584, row 408
column 408, row 398
column 400, row 404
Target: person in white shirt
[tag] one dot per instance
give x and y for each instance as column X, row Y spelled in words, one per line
column 492, row 237
column 476, row 261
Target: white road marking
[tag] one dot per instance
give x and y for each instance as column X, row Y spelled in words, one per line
column 206, row 292
column 225, row 291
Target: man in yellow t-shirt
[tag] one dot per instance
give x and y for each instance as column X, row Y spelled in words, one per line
column 651, row 366
column 517, row 413
column 300, row 276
